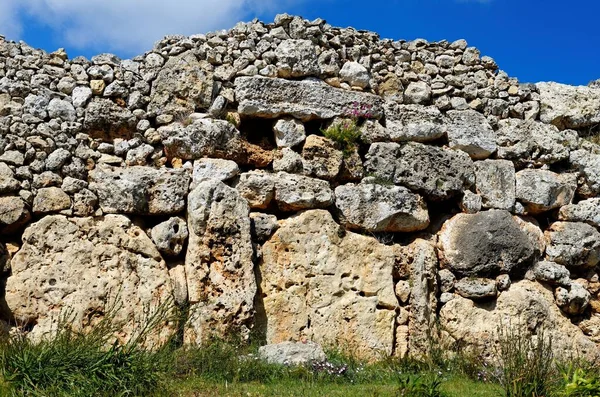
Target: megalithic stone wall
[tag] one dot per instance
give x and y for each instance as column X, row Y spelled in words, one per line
column 199, row 173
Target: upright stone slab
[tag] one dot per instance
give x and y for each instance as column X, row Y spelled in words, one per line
column 218, row 263
column 85, row 268
column 323, row 284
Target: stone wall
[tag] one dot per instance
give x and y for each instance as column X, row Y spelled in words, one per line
column 199, row 173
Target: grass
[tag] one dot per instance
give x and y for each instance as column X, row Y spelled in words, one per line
column 77, row 364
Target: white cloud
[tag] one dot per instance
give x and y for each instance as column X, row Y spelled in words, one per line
column 131, row 26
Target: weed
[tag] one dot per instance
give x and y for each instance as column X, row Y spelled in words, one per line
column 345, row 132
column 428, row 385
column 526, row 365
column 580, row 380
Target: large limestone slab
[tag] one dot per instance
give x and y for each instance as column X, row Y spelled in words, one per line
column 529, row 142
column 183, row 84
column 218, row 264
column 140, row 190
column 305, row 99
column 297, row 192
column 436, row 173
column 106, row 120
column 381, row 208
column 484, row 244
column 527, row 307
column 568, row 106
column 324, row 284
column 83, row 267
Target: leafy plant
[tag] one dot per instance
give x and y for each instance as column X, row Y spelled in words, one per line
column 345, row 132
column 412, row 385
column 579, row 382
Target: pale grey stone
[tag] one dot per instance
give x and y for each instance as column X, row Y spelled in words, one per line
column 257, row 187
column 296, row 58
column 292, row 353
column 61, row 109
column 355, row 74
column 551, row 272
column 263, row 226
column 170, row 236
column 80, row 96
column 219, row 169
column 8, row 183
column 568, row 106
column 495, row 183
column 381, row 208
column 476, row 288
column 305, row 100
column 418, row 92
column 434, row 172
column 410, row 123
column 584, row 211
column 140, row 190
column 470, row 131
column 50, row 199
column 289, row 132
column 296, row 193
column 572, row 244
column 541, row 190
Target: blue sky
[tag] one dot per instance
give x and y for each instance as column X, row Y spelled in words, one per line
column 533, row 40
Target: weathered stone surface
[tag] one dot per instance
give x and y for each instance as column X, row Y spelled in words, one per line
column 305, row 100
column 434, row 172
column 263, row 226
column 296, row 58
column 8, row 183
column 572, row 300
column 381, row 208
column 470, row 202
column 258, row 187
column 355, row 74
column 476, row 288
column 104, row 119
column 418, row 92
column 484, row 244
column 201, row 138
column 495, row 183
column 526, row 307
column 588, row 164
column 219, row 169
column 170, row 236
column 319, row 283
column 290, row 162
column 532, row 142
column 289, row 132
column 423, row 264
column 50, row 199
column 534, row 233
column 296, row 193
column 140, row 190
column 292, row 353
column 83, row 267
column 568, row 106
column 321, row 158
column 183, row 84
column 551, row 272
column 541, row 190
column 410, row 123
column 218, row 263
column 573, row 244
column 587, row 211
column 470, row 131
column 13, row 214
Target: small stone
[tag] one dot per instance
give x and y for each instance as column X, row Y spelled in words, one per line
column 470, row 203
column 476, row 288
column 97, row 86
column 289, row 132
column 402, row 290
column 551, row 272
column 50, row 199
column 220, row 169
column 355, row 74
column 418, row 93
column 263, row 226
column 170, row 236
column 447, row 280
column 292, row 353
column 503, row 282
